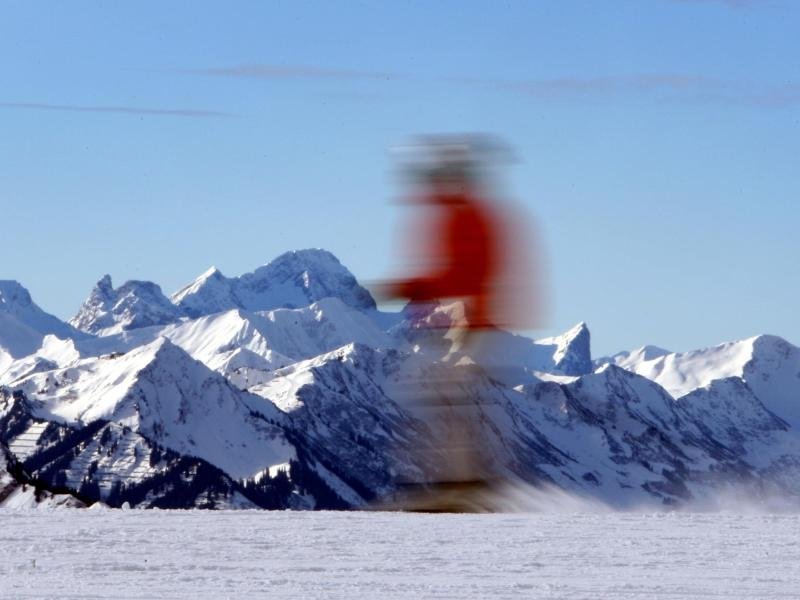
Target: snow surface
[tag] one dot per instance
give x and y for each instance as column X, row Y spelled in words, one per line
column 255, row 554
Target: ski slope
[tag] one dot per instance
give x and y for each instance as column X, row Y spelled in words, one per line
column 357, row 555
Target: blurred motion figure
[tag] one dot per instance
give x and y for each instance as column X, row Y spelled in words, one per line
column 472, row 254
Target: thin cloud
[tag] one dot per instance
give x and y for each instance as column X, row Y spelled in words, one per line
column 674, row 88
column 268, row 71
column 128, row 110
column 562, row 87
column 779, row 97
column 728, row 3
column 366, row 97
column 663, row 87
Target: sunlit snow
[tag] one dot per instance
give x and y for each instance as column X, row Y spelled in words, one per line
column 255, row 554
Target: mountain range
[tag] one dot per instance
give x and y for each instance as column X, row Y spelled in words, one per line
column 287, row 387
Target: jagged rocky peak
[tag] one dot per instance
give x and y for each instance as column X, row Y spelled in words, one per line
column 292, row 280
column 132, row 305
column 572, row 354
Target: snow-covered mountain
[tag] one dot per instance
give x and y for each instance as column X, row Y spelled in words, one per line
column 287, row 388
column 156, row 384
column 132, row 305
column 293, row 280
column 767, row 366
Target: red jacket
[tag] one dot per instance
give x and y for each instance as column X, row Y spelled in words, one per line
column 466, row 257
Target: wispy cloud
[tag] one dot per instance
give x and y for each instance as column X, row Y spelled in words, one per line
column 728, row 3
column 674, row 88
column 562, row 87
column 660, row 87
column 779, row 97
column 269, row 71
column 128, row 110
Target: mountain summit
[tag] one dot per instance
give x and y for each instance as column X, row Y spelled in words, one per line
column 132, row 305
column 293, row 280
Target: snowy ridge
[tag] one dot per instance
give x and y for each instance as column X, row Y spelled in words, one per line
column 767, row 364
column 681, row 373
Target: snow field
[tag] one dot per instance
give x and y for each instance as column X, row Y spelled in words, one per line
column 256, row 554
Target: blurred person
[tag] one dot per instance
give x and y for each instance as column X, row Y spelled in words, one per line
column 472, row 253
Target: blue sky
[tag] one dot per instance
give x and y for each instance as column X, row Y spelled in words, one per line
column 659, row 145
